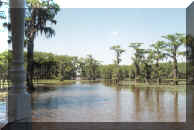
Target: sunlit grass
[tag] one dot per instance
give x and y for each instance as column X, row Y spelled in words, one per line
column 3, row 94
column 54, row 82
column 124, row 84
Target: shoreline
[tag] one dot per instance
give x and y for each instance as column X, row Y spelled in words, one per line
column 122, row 84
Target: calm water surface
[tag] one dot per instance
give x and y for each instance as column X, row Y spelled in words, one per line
column 101, row 103
column 3, row 109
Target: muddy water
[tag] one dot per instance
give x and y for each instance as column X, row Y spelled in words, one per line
column 101, row 103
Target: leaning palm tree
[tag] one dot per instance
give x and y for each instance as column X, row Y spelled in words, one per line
column 39, row 15
column 172, row 45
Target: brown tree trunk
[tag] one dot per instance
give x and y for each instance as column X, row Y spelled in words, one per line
column 135, row 79
column 30, row 68
column 146, row 81
column 137, row 69
column 158, row 81
column 175, row 71
column 158, row 74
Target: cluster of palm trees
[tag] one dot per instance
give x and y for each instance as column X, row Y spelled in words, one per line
column 168, row 49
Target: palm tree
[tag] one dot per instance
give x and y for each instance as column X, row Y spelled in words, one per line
column 118, row 52
column 38, row 15
column 137, row 58
column 158, row 54
column 117, row 73
column 172, row 45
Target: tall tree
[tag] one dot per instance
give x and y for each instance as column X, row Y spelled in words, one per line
column 174, row 41
column 40, row 14
column 157, row 54
column 118, row 52
column 117, row 72
column 82, row 68
column 92, row 66
column 137, row 58
column 4, row 56
column 145, row 63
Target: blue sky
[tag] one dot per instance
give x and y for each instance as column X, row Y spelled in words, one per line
column 92, row 31
column 3, row 31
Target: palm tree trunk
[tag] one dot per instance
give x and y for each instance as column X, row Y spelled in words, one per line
column 137, row 69
column 175, row 70
column 146, row 80
column 30, row 68
column 158, row 81
column 158, row 75
column 135, row 79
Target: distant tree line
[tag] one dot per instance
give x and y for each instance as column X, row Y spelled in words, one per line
column 146, row 66
column 3, row 68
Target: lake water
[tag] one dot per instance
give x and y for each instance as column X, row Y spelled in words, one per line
column 98, row 102
column 3, row 108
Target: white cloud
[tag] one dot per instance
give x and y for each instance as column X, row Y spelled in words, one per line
column 3, row 41
column 115, row 34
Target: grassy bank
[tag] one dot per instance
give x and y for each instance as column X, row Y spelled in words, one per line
column 132, row 84
column 123, row 84
column 54, row 82
column 3, row 94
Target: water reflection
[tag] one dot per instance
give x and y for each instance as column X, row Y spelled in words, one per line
column 102, row 103
column 158, row 104
column 3, row 108
column 176, row 106
column 137, row 103
column 118, row 105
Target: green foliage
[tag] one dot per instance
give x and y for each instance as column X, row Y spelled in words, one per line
column 117, row 73
column 40, row 15
column 3, row 62
column 138, row 56
column 91, row 66
column 106, row 71
column 118, row 52
column 68, row 67
column 157, row 54
column 174, row 42
column 148, row 64
column 114, row 72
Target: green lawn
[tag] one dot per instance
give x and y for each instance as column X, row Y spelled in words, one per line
column 54, row 82
column 124, row 84
column 181, row 86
